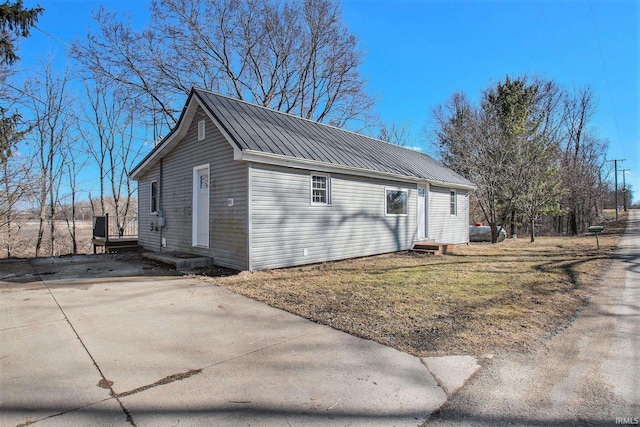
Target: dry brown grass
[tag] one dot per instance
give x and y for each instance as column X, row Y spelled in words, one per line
column 23, row 241
column 482, row 299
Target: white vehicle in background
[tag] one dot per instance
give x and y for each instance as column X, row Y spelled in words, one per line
column 482, row 233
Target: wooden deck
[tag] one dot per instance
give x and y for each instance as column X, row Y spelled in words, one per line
column 432, row 248
column 115, row 245
column 102, row 237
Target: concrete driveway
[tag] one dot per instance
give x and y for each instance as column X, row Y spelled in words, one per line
column 100, row 340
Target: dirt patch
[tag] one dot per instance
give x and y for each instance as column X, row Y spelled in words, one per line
column 77, row 271
column 482, row 299
column 166, row 380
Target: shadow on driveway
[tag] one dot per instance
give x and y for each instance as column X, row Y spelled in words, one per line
column 118, row 340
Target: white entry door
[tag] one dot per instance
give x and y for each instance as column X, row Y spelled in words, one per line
column 201, row 206
column 422, row 211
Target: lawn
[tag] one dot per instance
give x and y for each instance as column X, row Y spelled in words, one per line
column 481, row 299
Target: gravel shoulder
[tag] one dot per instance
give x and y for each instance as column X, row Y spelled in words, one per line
column 587, row 375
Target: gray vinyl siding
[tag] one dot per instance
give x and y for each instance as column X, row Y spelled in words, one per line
column 284, row 222
column 228, row 179
column 444, row 227
column 150, row 240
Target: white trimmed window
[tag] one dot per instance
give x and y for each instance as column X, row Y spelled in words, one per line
column 453, row 203
column 154, row 197
column 320, row 189
column 201, row 130
column 396, row 201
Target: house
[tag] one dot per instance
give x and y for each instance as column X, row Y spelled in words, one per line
column 255, row 188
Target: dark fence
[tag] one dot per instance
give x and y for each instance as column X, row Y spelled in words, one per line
column 106, row 227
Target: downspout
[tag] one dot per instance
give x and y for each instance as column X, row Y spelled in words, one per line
column 161, row 220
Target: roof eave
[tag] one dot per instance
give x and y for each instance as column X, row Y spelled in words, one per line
column 180, row 131
column 298, row 163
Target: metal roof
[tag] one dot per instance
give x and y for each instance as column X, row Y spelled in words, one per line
column 260, row 129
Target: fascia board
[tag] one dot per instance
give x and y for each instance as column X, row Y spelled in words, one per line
column 237, row 151
column 168, row 142
column 181, row 130
column 296, row 163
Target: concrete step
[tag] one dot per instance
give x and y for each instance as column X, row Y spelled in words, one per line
column 181, row 261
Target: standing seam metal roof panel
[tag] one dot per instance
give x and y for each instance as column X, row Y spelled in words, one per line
column 315, row 141
column 223, row 117
column 316, row 151
column 261, row 129
column 245, row 126
column 323, row 140
column 298, row 143
column 272, row 137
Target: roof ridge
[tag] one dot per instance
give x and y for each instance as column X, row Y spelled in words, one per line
column 311, row 121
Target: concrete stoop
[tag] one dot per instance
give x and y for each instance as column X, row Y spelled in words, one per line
column 181, row 261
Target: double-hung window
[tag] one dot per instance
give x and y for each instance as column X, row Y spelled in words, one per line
column 320, row 189
column 154, row 197
column 396, row 201
column 453, row 203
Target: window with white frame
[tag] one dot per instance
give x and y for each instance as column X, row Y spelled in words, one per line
column 396, row 201
column 200, row 130
column 154, row 197
column 453, row 203
column 320, row 189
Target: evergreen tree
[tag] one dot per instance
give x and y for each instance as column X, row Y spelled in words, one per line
column 507, row 147
column 15, row 21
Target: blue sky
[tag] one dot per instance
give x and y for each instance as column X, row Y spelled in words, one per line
column 419, row 52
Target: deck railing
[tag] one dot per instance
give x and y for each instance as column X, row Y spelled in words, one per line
column 106, row 227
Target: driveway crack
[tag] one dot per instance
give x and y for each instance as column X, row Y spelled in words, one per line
column 166, row 380
column 103, row 379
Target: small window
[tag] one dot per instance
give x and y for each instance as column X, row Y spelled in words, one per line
column 397, row 202
column 320, row 190
column 200, row 130
column 453, row 203
column 154, row 197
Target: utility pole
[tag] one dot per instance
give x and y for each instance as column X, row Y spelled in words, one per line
column 624, row 189
column 615, row 173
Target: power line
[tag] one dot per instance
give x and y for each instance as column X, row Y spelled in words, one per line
column 67, row 44
column 69, row 114
column 553, row 38
column 606, row 75
column 59, row 40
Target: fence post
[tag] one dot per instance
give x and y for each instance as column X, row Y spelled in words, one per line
column 106, row 227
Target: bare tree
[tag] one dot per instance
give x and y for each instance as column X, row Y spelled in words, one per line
column 72, row 166
column 13, row 190
column 506, row 146
column 467, row 138
column 111, row 143
column 582, row 159
column 395, row 134
column 294, row 56
column 541, row 184
column 48, row 101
